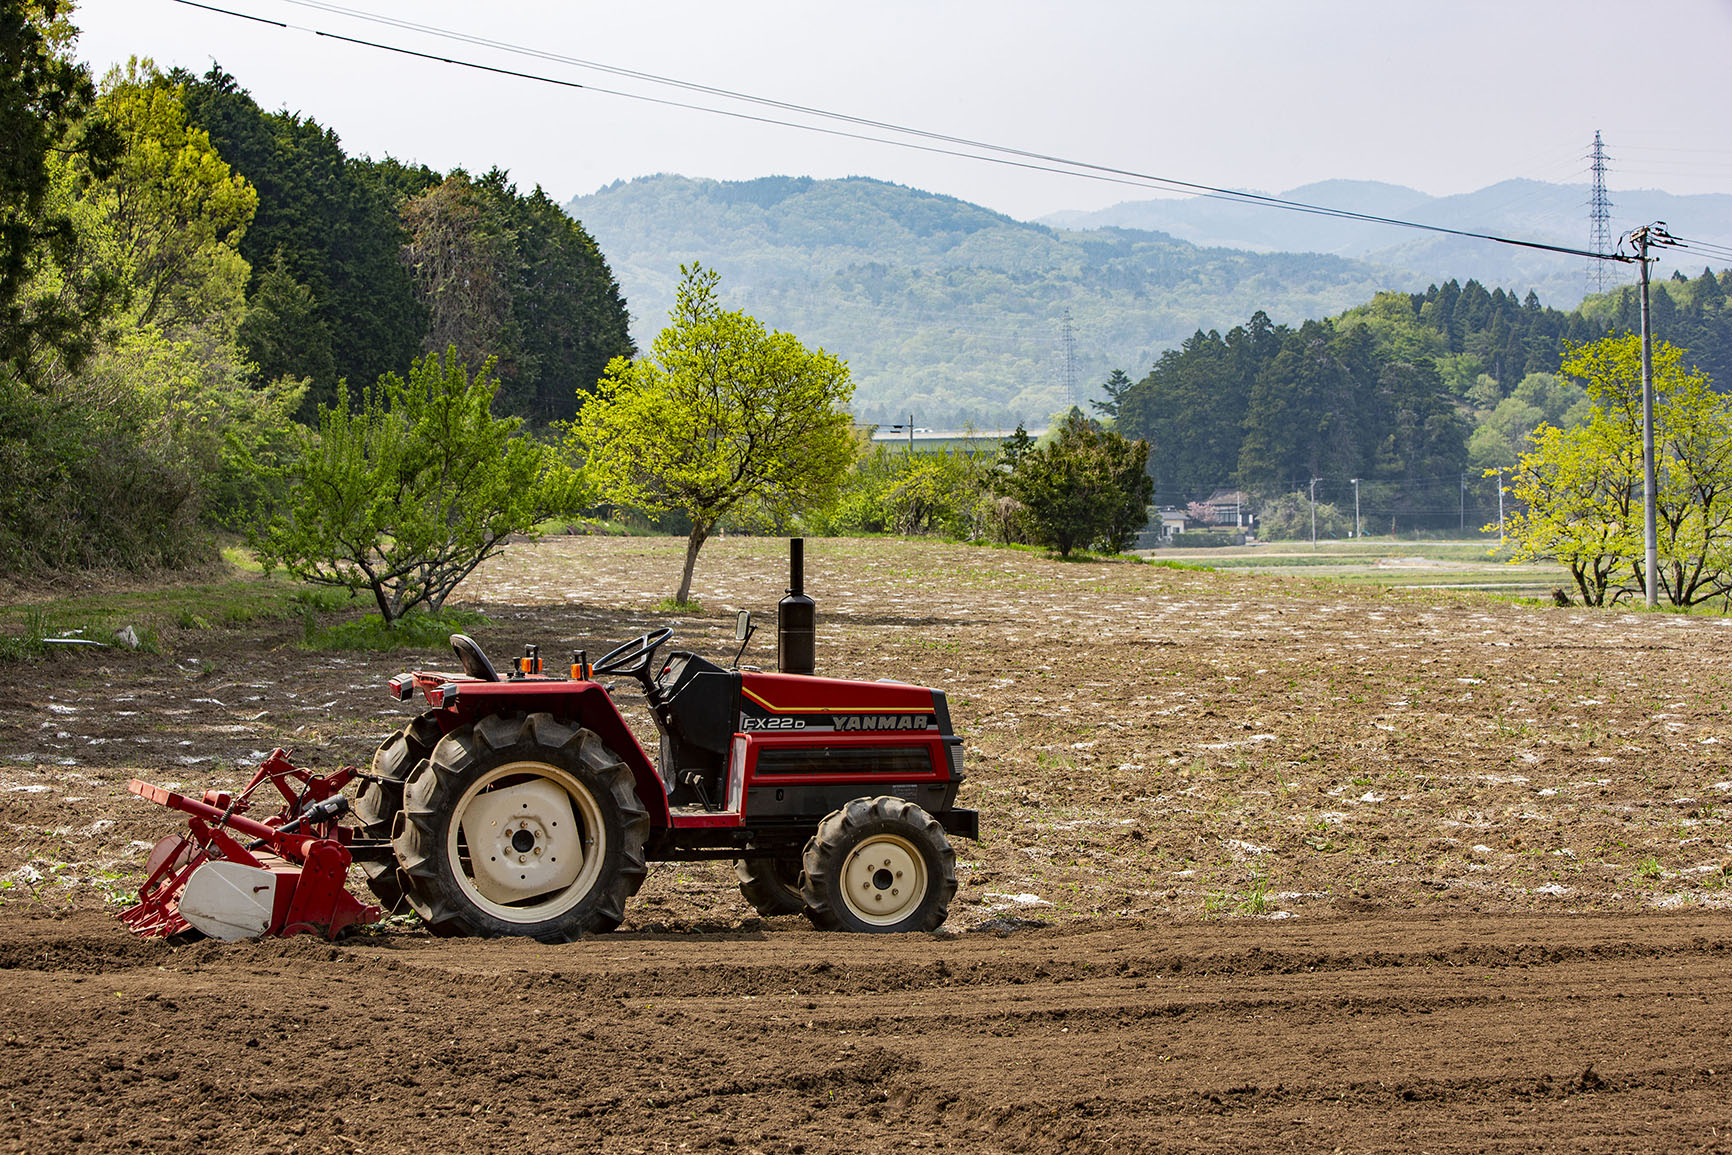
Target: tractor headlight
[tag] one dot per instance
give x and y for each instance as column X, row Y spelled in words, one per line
column 441, row 696
column 736, row 776
column 403, row 687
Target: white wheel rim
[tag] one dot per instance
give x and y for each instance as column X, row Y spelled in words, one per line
column 526, row 842
column 883, row 879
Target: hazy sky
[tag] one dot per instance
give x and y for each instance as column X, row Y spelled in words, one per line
column 1442, row 96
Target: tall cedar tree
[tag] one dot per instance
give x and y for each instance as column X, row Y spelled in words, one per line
column 323, row 222
column 513, row 277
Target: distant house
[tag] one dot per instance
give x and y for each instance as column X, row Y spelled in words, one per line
column 1226, row 508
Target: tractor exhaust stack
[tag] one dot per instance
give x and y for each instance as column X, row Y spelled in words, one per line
column 796, row 617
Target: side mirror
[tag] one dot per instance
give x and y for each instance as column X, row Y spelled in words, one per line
column 742, row 633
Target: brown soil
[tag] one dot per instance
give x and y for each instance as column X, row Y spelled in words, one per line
column 1268, row 864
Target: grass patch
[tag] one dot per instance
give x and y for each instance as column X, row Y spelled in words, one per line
column 597, row 527
column 414, row 631
column 670, row 606
column 1256, row 900
column 27, row 642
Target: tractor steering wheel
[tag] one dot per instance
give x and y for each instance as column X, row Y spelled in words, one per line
column 635, row 657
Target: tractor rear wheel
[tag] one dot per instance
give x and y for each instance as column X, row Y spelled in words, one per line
column 377, row 803
column 771, row 885
column 879, row 866
column 521, row 826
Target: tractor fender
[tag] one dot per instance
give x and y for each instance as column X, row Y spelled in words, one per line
column 585, row 704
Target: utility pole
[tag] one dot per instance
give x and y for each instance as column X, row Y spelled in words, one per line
column 1313, row 513
column 1650, row 540
column 1500, row 507
column 1654, row 234
column 1464, row 504
column 1357, row 532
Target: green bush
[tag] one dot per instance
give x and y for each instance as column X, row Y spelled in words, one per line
column 1288, row 518
column 944, row 493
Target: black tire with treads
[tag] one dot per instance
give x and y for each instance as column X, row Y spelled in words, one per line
column 879, row 866
column 509, row 752
column 377, row 803
column 771, row 885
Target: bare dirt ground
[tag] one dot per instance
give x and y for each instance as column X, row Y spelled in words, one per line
column 1268, row 864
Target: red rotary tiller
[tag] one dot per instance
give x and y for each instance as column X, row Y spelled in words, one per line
column 233, row 877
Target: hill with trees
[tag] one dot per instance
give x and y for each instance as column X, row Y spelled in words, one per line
column 1416, row 395
column 1529, row 209
column 941, row 308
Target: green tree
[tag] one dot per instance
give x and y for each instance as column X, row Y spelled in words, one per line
column 46, row 99
column 406, row 494
column 330, row 219
column 1086, row 487
column 1581, row 487
column 1578, row 503
column 1117, row 382
column 721, row 415
column 172, row 212
column 462, row 252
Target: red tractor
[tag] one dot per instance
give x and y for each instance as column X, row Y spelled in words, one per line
column 524, row 805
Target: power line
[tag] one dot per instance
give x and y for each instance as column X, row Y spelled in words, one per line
column 1706, row 248
column 1008, row 156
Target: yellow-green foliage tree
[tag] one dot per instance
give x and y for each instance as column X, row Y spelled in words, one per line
column 128, row 441
column 1581, row 488
column 721, row 418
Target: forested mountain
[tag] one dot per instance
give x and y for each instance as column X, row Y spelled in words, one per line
column 1527, row 209
column 944, row 309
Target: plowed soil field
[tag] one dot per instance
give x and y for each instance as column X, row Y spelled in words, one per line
column 1268, row 864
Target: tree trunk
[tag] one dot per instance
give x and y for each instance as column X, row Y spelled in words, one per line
column 700, row 534
column 386, row 609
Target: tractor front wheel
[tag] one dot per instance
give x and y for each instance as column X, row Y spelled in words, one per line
column 377, row 802
column 771, row 885
column 879, row 866
column 521, row 826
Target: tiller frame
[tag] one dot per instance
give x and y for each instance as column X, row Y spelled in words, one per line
column 300, row 855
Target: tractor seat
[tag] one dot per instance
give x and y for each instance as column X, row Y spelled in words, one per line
column 475, row 663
